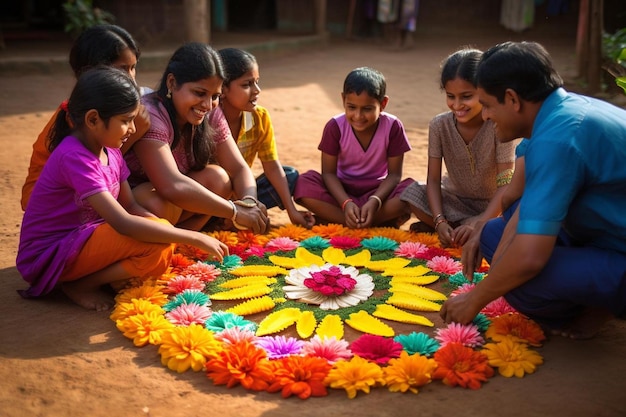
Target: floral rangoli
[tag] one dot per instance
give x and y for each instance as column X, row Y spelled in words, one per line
column 302, row 311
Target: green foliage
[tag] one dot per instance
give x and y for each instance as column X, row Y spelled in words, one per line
column 614, row 49
column 81, row 14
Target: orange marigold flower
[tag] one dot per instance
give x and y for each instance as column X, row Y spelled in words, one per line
column 192, row 252
column 461, row 365
column 392, row 233
column 516, row 326
column 248, row 238
column 428, row 239
column 188, row 347
column 300, row 375
column 408, row 372
column 179, row 262
column 359, row 234
column 241, row 363
column 293, row 231
column 354, row 375
column 226, row 237
column 512, row 358
column 329, row 230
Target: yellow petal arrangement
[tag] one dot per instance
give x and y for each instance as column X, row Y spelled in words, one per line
column 366, row 323
column 389, row 312
column 248, row 280
column 278, row 321
column 409, row 301
column 253, row 306
column 331, row 326
column 306, row 324
column 249, row 291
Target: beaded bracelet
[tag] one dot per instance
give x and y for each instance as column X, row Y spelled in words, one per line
column 378, row 199
column 346, row 201
column 504, row 177
column 439, row 222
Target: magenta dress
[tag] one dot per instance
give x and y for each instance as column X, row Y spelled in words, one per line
column 58, row 219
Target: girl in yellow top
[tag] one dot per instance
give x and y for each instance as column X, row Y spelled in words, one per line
column 251, row 126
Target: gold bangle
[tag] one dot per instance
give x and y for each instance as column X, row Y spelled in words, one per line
column 234, row 216
column 244, row 203
column 437, row 217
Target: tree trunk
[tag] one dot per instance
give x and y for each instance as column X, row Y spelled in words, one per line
column 589, row 43
column 197, row 20
column 320, row 17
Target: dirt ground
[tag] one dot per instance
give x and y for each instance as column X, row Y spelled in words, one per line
column 57, row 359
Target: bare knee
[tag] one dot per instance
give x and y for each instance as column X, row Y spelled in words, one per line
column 214, row 178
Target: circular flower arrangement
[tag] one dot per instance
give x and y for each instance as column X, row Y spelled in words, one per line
column 273, row 315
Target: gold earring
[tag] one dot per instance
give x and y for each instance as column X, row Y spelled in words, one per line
column 169, row 93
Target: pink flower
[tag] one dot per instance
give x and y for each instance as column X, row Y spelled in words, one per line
column 330, row 281
column 186, row 314
column 444, row 265
column 330, row 349
column 463, row 289
column 204, row 272
column 345, row 242
column 233, row 335
column 414, row 250
column 254, row 251
column 497, row 307
column 181, row 283
column 467, row 335
column 282, row 244
column 377, row 349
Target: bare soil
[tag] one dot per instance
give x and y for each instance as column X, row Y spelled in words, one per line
column 57, row 359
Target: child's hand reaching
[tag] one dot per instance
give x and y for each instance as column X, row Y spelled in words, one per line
column 216, row 249
column 302, row 218
column 368, row 211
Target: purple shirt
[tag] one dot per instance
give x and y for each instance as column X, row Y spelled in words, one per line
column 58, row 219
column 358, row 167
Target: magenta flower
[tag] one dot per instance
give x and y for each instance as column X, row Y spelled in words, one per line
column 330, row 281
column 467, row 335
column 279, row 346
column 412, row 250
column 498, row 307
column 254, row 251
column 329, row 348
column 345, row 242
column 282, row 244
column 444, row 265
column 377, row 349
column 432, row 252
column 186, row 314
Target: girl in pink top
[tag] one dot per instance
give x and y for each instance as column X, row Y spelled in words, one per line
column 82, row 227
column 362, row 156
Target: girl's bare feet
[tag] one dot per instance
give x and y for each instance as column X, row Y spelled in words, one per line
column 87, row 297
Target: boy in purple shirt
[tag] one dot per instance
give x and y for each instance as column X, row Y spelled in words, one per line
column 362, row 156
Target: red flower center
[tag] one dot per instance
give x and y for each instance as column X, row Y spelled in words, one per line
column 330, row 282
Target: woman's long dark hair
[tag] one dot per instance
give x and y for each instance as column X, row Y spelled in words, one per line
column 108, row 90
column 192, row 62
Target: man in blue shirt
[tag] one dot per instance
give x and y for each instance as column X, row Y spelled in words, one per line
column 559, row 254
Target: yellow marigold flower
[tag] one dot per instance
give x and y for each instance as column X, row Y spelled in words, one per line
column 408, row 372
column 134, row 307
column 354, row 375
column 512, row 358
column 188, row 347
column 150, row 292
column 516, row 326
column 145, row 328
